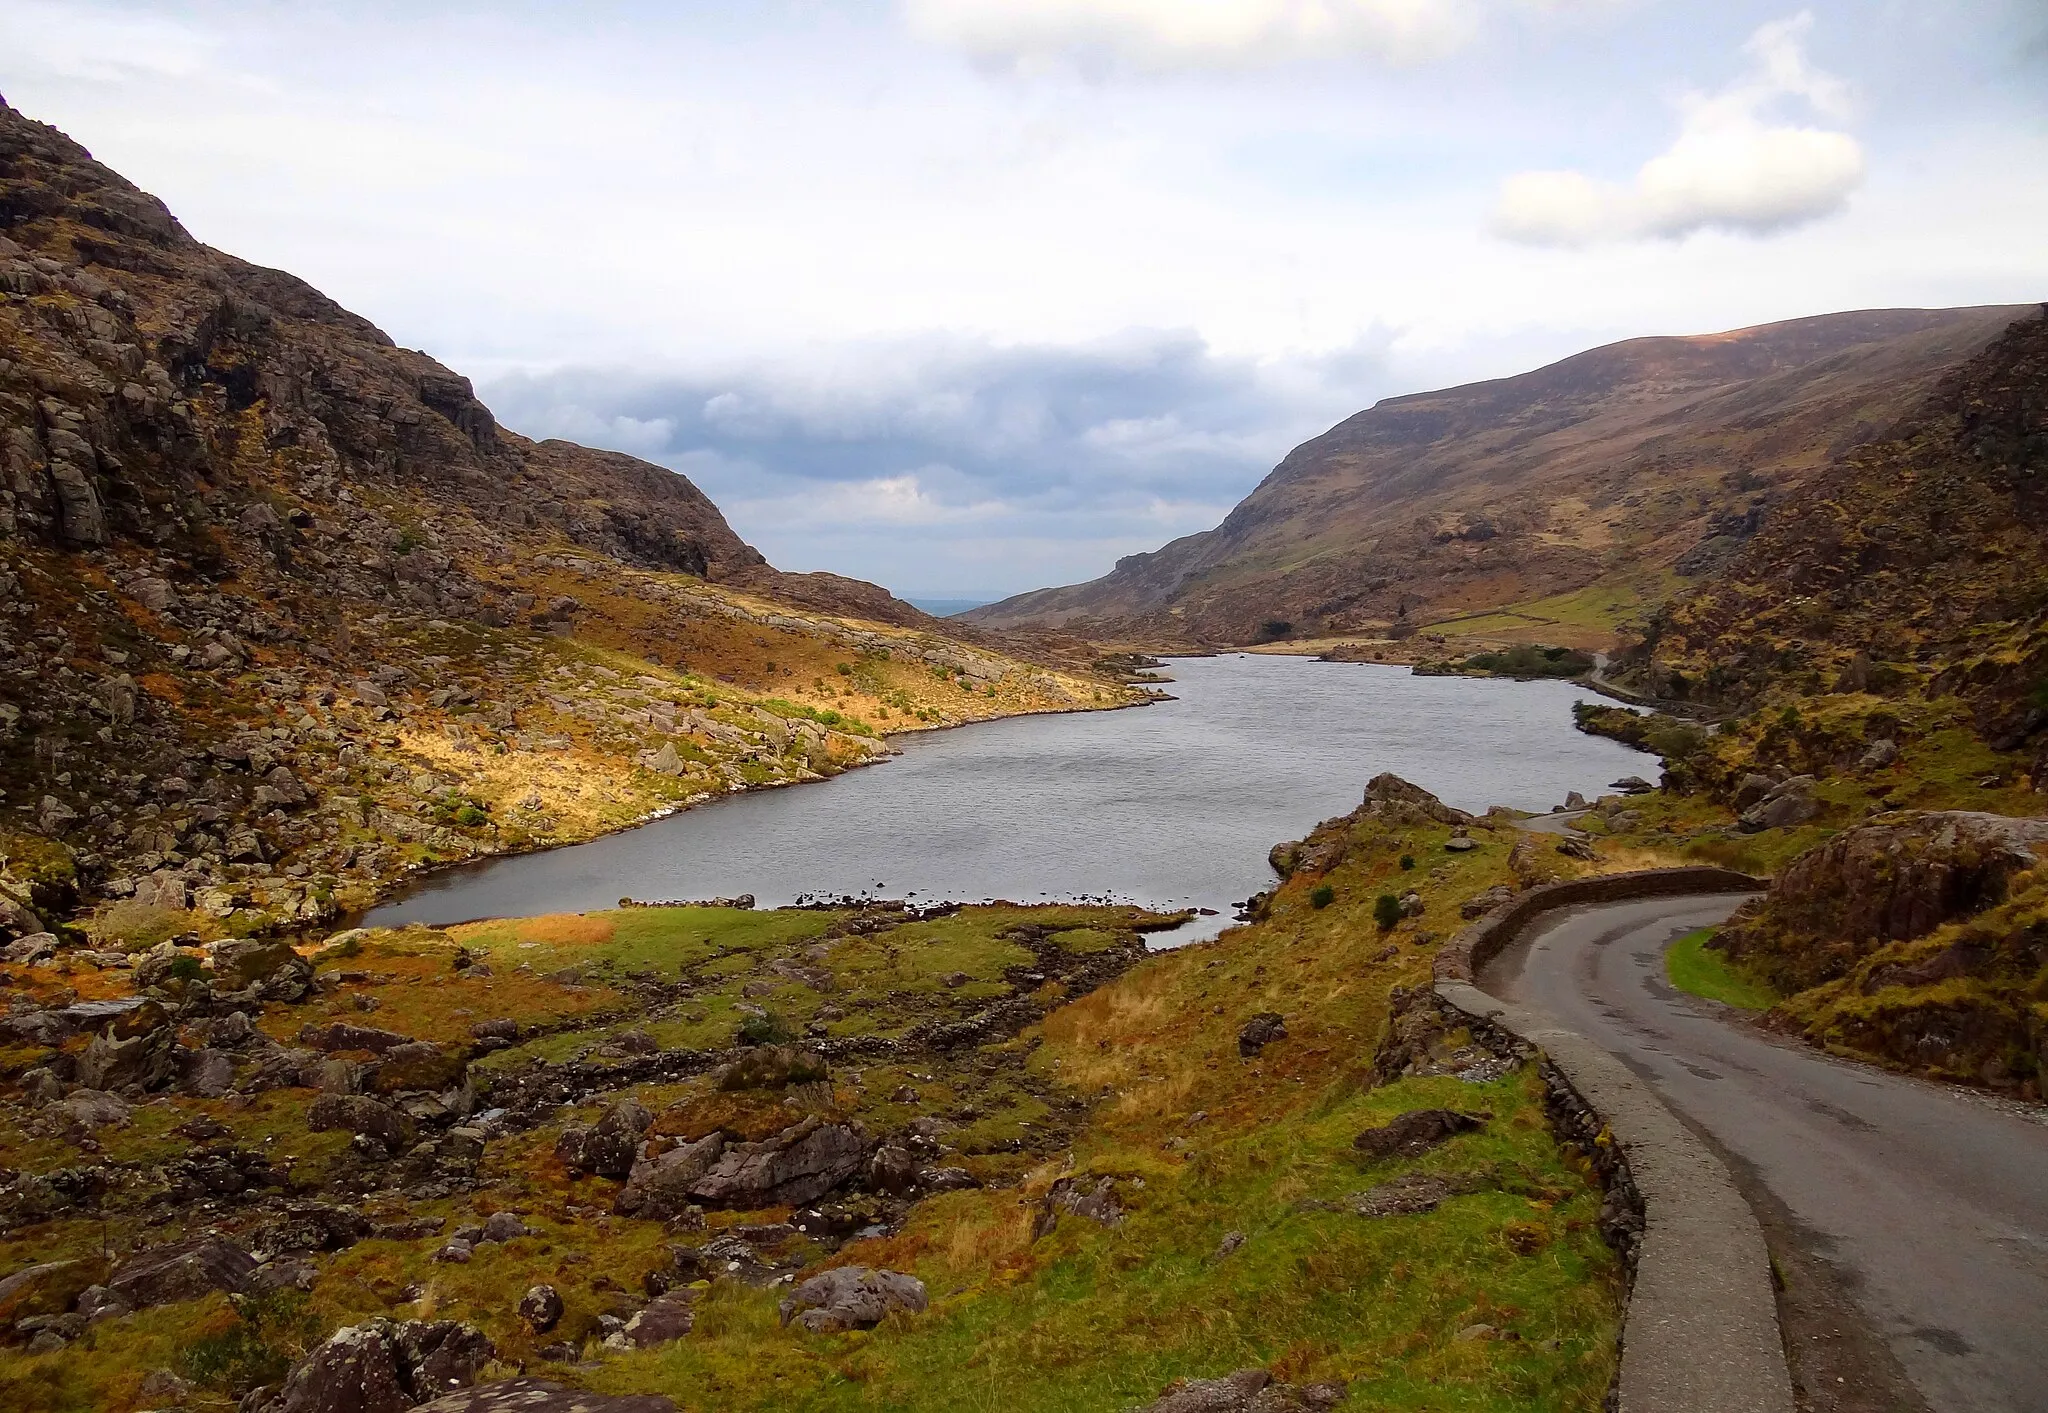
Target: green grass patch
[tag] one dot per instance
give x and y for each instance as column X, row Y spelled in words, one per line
column 1698, row 970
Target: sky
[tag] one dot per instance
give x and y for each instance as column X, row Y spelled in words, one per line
column 968, row 297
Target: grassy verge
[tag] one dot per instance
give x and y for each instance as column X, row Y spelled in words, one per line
column 1697, row 970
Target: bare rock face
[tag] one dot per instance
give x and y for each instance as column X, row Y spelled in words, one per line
column 1882, row 882
column 798, row 1165
column 852, row 1298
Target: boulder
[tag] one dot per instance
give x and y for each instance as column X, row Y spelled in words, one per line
column 342, row 1036
column 662, row 1178
column 275, row 967
column 1415, row 1132
column 1879, row 755
column 523, row 1395
column 183, row 1270
column 48, row 1288
column 608, row 1147
column 1260, row 1031
column 1788, row 803
column 361, row 1114
column 1412, row 1193
column 503, row 1227
column 798, row 1165
column 1094, row 1199
column 140, row 1061
column 205, row 1073
column 383, row 1366
column 311, row 1226
column 1750, row 790
column 667, row 1318
column 541, row 1308
column 95, row 1108
column 852, row 1298
column 1390, row 798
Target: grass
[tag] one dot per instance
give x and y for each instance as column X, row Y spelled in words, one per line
column 1140, row 1081
column 1698, row 970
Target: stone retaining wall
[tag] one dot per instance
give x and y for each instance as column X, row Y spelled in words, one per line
column 1701, row 1332
column 1461, row 958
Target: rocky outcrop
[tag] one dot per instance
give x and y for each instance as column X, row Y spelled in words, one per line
column 1887, row 881
column 184, row 1270
column 798, row 1165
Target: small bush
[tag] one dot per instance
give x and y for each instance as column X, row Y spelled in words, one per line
column 271, row 1329
column 769, row 1029
column 1386, row 911
column 1407, row 862
column 1322, row 896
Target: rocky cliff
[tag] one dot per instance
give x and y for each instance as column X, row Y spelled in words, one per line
column 285, row 613
column 1631, row 462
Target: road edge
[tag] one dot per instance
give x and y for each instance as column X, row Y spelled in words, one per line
column 1700, row 1334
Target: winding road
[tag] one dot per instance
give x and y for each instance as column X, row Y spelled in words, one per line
column 1922, row 1209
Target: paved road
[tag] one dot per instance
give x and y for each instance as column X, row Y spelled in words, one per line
column 1929, row 1204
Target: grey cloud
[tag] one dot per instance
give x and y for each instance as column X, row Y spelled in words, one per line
column 889, row 460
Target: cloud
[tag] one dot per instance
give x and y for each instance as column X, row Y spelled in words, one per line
column 1196, row 34
column 1731, row 166
column 889, row 458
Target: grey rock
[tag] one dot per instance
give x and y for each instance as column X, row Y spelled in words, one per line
column 541, row 1308
column 1260, row 1031
column 852, row 1298
column 360, row 1114
column 1415, row 1132
column 667, row 1318
column 798, row 1165
column 183, row 1270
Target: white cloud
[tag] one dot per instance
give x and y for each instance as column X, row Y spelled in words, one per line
column 1731, row 166
column 1167, row 34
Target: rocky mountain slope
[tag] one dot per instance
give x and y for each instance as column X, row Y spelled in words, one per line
column 285, row 614
column 1916, row 564
column 1623, row 465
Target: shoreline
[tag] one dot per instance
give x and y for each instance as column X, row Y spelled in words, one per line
column 415, row 881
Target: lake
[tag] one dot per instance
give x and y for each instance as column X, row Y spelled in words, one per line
column 1173, row 805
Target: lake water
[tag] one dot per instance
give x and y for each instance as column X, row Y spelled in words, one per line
column 1173, row 805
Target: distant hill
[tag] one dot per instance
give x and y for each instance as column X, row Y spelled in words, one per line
column 1651, row 458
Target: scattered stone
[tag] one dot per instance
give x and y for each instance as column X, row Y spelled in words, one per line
column 608, row 1147
column 503, row 1227
column 1232, row 1240
column 1413, row 1193
column 1246, row 1391
column 363, row 1115
column 852, row 1298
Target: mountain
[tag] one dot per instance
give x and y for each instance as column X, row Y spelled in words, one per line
column 1628, row 464
column 286, row 615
